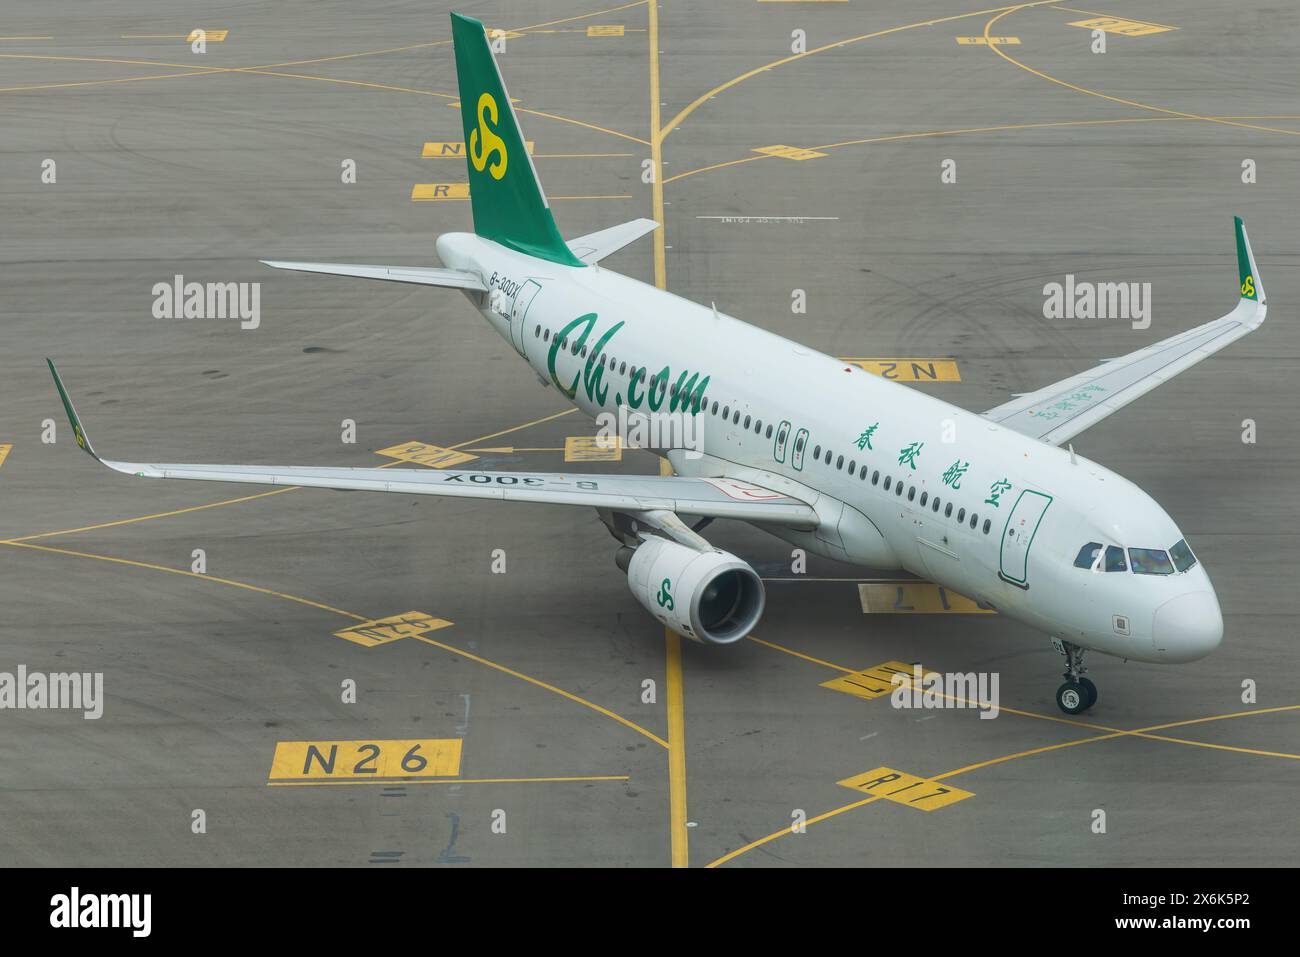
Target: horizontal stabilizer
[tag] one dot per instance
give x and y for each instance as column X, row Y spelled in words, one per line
column 420, row 275
column 594, row 247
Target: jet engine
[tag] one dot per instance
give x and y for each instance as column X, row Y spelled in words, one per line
column 708, row 596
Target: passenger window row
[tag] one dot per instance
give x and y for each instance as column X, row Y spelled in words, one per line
column 735, row 417
column 899, row 488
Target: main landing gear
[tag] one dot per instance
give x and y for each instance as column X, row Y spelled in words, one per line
column 1078, row 694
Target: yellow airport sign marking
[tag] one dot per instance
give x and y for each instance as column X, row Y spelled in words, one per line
column 456, row 150
column 361, row 760
column 381, row 631
column 430, row 456
column 908, row 370
column 1128, row 28
column 511, row 450
column 605, row 30
column 496, row 33
column 916, row 598
column 592, row 448
column 906, row 789
column 990, row 41
column 430, row 192
column 4, row 452
column 789, row 152
column 874, row 682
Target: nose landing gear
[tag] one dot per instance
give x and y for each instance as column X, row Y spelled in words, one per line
column 1078, row 694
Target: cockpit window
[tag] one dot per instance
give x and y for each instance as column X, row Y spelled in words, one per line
column 1150, row 561
column 1090, row 556
column 1182, row 556
column 1087, row 555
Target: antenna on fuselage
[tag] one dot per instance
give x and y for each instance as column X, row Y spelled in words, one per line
column 715, row 310
column 1073, row 460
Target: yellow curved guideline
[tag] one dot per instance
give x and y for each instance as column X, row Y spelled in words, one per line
column 997, row 48
column 1138, row 732
column 246, row 586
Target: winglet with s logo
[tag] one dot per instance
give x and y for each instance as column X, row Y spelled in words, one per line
column 506, row 196
column 1247, row 271
column 78, row 432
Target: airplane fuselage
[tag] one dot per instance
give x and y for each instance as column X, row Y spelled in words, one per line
column 899, row 479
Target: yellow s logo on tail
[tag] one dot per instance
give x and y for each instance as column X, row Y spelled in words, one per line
column 483, row 142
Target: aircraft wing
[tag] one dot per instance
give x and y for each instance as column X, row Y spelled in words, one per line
column 705, row 497
column 421, row 275
column 594, row 247
column 1060, row 411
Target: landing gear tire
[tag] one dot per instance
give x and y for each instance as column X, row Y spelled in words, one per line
column 1072, row 698
column 1078, row 694
column 1091, row 689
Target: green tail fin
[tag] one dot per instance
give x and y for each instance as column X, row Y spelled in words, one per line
column 1247, row 271
column 507, row 199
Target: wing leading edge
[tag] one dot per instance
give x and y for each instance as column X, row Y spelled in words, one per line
column 1060, row 411
column 420, row 275
column 704, row 497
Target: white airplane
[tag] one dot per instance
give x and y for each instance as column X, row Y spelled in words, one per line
column 819, row 453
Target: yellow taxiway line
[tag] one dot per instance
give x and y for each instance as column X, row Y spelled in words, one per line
column 996, row 48
column 1139, row 732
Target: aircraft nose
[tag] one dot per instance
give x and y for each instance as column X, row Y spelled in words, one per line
column 1189, row 626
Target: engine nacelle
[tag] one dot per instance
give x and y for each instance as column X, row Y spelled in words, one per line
column 711, row 597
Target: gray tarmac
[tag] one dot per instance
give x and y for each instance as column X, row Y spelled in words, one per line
column 170, row 162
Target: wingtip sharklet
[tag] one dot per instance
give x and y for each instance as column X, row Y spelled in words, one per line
column 83, row 442
column 1250, row 287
